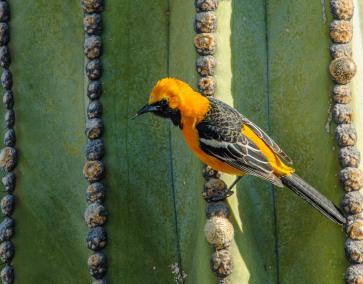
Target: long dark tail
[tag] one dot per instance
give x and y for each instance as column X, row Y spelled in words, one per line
column 314, row 198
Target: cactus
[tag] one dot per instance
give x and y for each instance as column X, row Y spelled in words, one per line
column 272, row 63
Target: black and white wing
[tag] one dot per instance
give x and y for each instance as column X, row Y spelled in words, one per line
column 267, row 139
column 220, row 136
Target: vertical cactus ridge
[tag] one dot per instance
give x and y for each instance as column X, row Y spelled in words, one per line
column 8, row 155
column 342, row 70
column 94, row 169
column 270, row 59
column 218, row 230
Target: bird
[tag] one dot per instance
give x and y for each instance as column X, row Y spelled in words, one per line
column 227, row 141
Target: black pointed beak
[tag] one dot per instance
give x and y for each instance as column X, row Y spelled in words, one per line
column 147, row 108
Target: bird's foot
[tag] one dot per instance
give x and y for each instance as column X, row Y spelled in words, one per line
column 216, row 190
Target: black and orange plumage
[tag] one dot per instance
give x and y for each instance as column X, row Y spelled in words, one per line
column 227, row 141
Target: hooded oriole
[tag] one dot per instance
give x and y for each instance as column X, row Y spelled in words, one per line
column 227, row 141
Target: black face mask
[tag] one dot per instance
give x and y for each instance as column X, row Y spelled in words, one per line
column 162, row 109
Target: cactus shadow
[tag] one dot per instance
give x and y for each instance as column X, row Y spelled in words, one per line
column 253, row 220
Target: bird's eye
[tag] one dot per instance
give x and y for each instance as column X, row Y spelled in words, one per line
column 164, row 103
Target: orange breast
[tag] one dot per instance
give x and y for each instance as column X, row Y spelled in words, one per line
column 192, row 139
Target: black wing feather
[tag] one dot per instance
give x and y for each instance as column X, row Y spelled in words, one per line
column 220, row 136
column 267, row 139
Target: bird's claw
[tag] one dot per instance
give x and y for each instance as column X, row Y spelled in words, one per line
column 218, row 197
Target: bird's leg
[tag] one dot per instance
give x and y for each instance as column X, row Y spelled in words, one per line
column 229, row 191
column 234, row 183
column 214, row 192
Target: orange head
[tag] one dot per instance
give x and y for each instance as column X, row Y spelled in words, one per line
column 175, row 99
